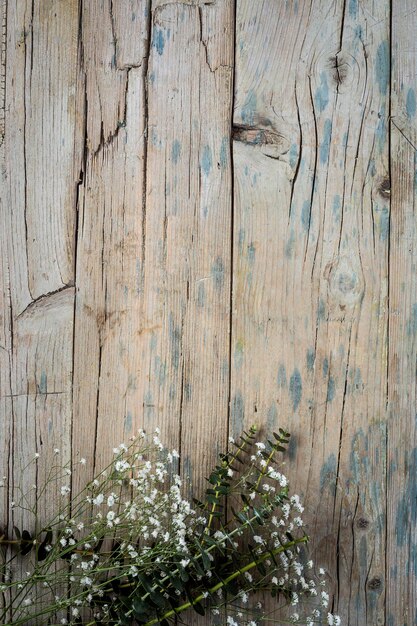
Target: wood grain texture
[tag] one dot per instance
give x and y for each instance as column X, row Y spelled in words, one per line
column 311, row 269
column 185, row 343
column 109, row 229
column 207, row 221
column 37, row 224
column 402, row 435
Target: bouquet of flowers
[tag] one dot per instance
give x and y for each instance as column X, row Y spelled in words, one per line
column 130, row 549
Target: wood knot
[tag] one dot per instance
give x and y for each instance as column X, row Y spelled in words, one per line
column 345, row 281
column 271, row 143
column 339, row 68
column 375, row 583
column 384, row 187
column 362, row 523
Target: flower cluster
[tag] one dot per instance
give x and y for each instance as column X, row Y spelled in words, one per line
column 130, row 549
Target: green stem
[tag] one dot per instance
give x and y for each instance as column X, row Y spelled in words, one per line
column 223, row 583
column 228, row 464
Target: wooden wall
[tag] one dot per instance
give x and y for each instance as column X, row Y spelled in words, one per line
column 208, row 220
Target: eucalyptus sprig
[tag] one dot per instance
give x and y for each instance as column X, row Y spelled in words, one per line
column 130, row 549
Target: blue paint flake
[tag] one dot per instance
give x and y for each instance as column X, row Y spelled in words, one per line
column 175, row 342
column 325, row 366
column 128, row 422
column 201, row 294
column 353, row 8
column 43, row 384
column 321, row 97
column 282, row 376
column 412, row 322
column 206, row 160
column 328, row 474
column 248, row 109
column 237, row 412
column 251, row 253
column 158, row 40
column 296, row 389
column 217, row 271
column 382, row 66
column 336, row 207
column 325, row 144
column 305, row 215
column 331, row 389
column 176, row 151
column 223, row 152
column 411, row 103
column 293, row 155
column 406, row 517
column 311, row 356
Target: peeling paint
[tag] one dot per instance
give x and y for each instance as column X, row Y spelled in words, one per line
column 382, row 67
column 249, row 108
column 331, row 389
column 282, row 376
column 176, row 151
column 305, row 215
column 296, row 388
column 237, row 412
column 206, row 160
column 411, row 103
column 217, row 272
column 328, row 474
column 321, row 97
column 43, row 384
column 325, row 144
column 311, row 356
column 158, row 40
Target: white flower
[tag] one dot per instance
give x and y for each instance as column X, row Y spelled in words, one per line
column 184, row 562
column 258, row 539
column 324, row 599
column 274, row 580
column 111, row 499
column 63, row 542
column 37, row 455
column 56, row 450
column 260, row 445
column 86, row 581
column 65, row 490
column 75, row 612
column 83, row 461
column 175, row 454
column 99, row 499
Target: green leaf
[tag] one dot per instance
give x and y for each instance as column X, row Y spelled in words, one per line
column 198, row 608
column 140, row 608
column 26, row 543
column 42, row 551
column 17, row 532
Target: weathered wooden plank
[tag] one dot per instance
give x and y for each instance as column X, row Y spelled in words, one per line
column 38, row 193
column 402, row 393
column 187, row 237
column 39, row 50
column 109, row 234
column 310, row 269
